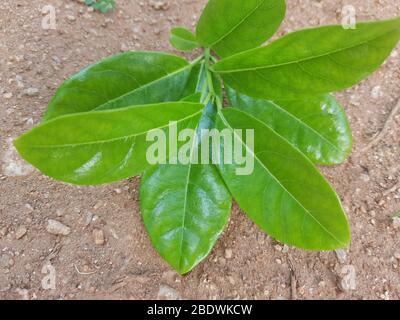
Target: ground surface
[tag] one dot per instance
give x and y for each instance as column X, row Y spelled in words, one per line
column 245, row 264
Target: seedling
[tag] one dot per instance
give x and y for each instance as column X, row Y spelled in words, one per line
column 94, row 130
column 102, row 5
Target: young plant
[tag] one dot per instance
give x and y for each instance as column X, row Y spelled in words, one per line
column 103, row 6
column 94, row 130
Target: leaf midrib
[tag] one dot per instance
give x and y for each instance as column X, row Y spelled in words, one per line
column 188, row 66
column 237, row 25
column 306, row 126
column 183, row 227
column 276, row 179
column 300, row 60
column 73, row 145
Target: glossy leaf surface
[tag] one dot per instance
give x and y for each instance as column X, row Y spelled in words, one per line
column 121, row 81
column 98, row 147
column 311, row 61
column 285, row 195
column 185, row 207
column 232, row 26
column 183, row 39
column 317, row 126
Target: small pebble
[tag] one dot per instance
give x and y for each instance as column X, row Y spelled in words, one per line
column 168, row 293
column 20, row 232
column 31, row 92
column 71, row 18
column 98, row 237
column 228, row 254
column 341, row 255
column 57, row 228
column 376, row 92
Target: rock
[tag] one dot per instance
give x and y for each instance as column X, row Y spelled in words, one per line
column 98, row 237
column 8, row 95
column 3, row 232
column 13, row 165
column 285, row 249
column 6, row 261
column 20, row 232
column 20, row 81
column 348, row 278
column 168, row 293
column 31, row 92
column 376, row 92
column 341, row 255
column 71, row 18
column 159, row 5
column 89, row 218
column 57, row 228
column 228, row 254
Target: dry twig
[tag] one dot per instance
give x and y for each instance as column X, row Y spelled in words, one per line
column 293, row 281
column 379, row 136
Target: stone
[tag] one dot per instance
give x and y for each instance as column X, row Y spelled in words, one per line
column 159, row 5
column 31, row 92
column 20, row 232
column 57, row 228
column 341, row 255
column 71, row 18
column 3, row 231
column 376, row 92
column 6, row 261
column 98, row 237
column 348, row 278
column 167, row 293
column 228, row 254
column 13, row 165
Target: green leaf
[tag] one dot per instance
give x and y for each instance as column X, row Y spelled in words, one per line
column 98, row 147
column 232, row 26
column 195, row 97
column 185, row 209
column 122, row 80
column 311, row 61
column 285, row 195
column 317, row 126
column 183, row 39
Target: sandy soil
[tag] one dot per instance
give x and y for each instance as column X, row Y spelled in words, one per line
column 245, row 264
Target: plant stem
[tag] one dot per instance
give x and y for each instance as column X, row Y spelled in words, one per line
column 209, row 91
